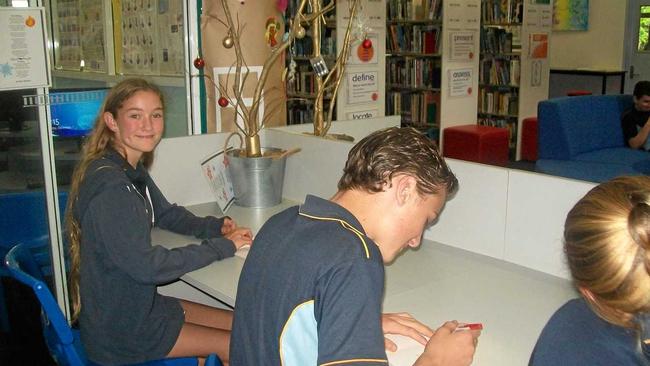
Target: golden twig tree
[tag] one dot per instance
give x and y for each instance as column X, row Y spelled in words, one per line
column 252, row 124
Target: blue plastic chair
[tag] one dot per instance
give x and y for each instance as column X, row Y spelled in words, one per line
column 24, row 220
column 63, row 342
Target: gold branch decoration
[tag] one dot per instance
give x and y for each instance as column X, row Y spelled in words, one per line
column 252, row 124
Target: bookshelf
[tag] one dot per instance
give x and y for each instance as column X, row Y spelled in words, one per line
column 500, row 65
column 301, row 89
column 414, row 62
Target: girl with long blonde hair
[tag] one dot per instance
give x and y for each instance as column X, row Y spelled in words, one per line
column 113, row 204
column 607, row 246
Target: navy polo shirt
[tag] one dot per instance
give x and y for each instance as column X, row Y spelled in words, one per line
column 575, row 335
column 310, row 292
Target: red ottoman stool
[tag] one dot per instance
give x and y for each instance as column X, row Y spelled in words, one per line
column 577, row 93
column 529, row 139
column 482, row 144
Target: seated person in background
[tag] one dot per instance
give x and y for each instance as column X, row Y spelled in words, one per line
column 636, row 120
column 113, row 204
column 607, row 244
column 311, row 289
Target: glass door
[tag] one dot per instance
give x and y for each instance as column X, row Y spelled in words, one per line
column 637, row 43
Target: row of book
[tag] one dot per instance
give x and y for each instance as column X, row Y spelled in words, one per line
column 502, row 11
column 414, row 9
column 298, row 113
column 495, row 40
column 503, row 103
column 413, row 38
column 421, row 109
column 304, row 46
column 510, row 124
column 504, row 72
column 415, row 73
column 304, row 81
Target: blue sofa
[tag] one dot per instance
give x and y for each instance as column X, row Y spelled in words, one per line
column 581, row 138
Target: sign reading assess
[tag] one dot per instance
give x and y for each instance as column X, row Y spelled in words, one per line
column 460, row 82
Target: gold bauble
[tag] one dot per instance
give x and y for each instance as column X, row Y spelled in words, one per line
column 300, row 33
column 228, row 42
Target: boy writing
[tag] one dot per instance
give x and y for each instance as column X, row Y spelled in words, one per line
column 636, row 120
column 311, row 288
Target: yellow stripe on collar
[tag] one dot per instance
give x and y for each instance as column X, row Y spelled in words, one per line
column 346, row 225
column 342, row 362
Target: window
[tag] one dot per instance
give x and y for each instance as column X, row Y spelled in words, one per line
column 644, row 27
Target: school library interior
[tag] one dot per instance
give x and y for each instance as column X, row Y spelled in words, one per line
column 524, row 99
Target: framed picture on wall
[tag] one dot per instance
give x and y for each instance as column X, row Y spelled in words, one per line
column 571, row 15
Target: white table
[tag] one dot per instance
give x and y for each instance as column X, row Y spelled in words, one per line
column 219, row 279
column 434, row 283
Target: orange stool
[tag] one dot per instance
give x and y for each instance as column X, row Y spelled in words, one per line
column 577, row 93
column 529, row 139
column 482, row 144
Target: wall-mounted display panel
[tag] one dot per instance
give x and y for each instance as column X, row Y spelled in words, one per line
column 149, row 37
column 79, row 35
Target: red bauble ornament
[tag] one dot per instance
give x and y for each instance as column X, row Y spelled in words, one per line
column 199, row 63
column 367, row 43
column 223, row 102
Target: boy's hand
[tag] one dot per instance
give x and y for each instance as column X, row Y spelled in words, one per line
column 449, row 347
column 406, row 325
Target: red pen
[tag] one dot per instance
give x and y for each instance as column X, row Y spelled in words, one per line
column 469, row 326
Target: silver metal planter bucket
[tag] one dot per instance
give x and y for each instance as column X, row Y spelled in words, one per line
column 257, row 182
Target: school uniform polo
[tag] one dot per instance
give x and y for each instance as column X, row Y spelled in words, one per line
column 310, row 292
column 576, row 336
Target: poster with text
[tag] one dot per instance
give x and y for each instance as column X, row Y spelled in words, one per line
column 538, row 47
column 462, row 46
column 23, row 63
column 460, row 82
column 362, row 87
column 360, row 55
column 365, row 114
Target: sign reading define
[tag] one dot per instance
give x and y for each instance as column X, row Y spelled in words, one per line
column 23, row 63
column 363, row 87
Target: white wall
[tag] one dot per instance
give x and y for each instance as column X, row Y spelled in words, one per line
column 357, row 128
column 177, row 167
column 475, row 218
column 537, row 20
column 600, row 47
column 537, row 207
column 508, row 214
column 459, row 16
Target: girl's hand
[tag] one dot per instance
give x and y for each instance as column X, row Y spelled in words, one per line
column 240, row 236
column 228, row 226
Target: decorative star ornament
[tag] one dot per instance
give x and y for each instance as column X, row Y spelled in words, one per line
column 360, row 27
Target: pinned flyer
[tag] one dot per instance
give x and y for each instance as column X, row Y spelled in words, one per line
column 215, row 171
